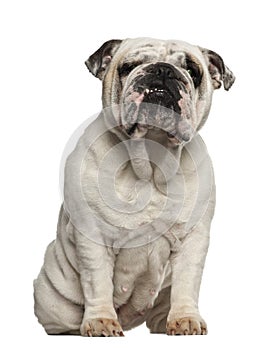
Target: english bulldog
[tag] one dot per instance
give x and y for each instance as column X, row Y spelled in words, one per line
column 139, row 197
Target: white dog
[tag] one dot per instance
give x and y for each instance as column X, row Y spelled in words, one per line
column 139, row 197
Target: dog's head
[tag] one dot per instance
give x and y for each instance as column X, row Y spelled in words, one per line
column 159, row 84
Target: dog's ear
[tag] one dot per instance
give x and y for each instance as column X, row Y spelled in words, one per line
column 98, row 62
column 218, row 70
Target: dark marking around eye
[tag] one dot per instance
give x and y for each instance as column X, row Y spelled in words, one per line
column 127, row 68
column 194, row 70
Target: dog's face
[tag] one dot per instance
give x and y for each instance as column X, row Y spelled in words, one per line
column 159, row 84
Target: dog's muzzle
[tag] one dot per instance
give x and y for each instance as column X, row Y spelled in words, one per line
column 161, row 86
column 159, row 98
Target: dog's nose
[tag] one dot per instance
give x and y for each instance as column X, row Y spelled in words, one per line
column 164, row 71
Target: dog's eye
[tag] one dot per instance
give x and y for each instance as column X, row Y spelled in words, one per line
column 194, row 71
column 127, row 68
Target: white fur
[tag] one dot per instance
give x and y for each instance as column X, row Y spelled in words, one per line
column 82, row 280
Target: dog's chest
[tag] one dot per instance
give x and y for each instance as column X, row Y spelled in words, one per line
column 142, row 211
column 145, row 201
column 137, row 207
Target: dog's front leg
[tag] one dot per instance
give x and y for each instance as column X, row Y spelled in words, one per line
column 96, row 264
column 187, row 266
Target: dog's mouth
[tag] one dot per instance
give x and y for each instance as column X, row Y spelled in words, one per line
column 158, row 97
column 157, row 107
column 162, row 96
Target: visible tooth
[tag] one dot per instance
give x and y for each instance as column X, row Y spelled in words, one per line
column 147, row 91
column 155, row 89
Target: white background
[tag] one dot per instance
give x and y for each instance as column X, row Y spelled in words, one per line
column 46, row 92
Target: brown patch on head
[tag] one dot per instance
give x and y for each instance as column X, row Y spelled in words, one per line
column 171, row 51
column 147, row 45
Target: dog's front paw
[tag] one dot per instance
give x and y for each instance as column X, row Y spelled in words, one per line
column 101, row 327
column 188, row 325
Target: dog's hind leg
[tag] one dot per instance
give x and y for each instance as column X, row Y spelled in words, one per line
column 57, row 314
